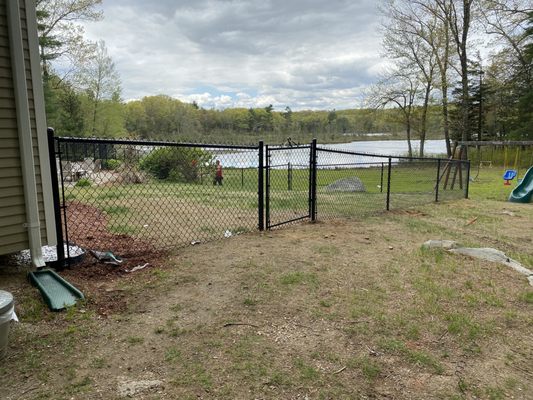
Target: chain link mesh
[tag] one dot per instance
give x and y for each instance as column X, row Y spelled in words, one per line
column 288, row 174
column 119, row 194
column 162, row 196
column 353, row 184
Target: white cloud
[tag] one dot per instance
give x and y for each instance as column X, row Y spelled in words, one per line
column 230, row 53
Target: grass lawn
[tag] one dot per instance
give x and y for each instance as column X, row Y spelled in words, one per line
column 201, row 211
column 343, row 309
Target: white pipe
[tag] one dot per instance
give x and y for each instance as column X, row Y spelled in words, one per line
column 40, row 121
column 24, row 131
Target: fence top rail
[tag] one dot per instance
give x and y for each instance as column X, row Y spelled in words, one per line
column 286, row 165
column 298, row 147
column 497, row 143
column 152, row 143
column 373, row 163
column 353, row 153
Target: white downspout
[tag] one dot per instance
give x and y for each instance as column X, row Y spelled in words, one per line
column 40, row 122
column 24, row 130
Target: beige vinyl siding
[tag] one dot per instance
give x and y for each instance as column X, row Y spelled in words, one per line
column 13, row 234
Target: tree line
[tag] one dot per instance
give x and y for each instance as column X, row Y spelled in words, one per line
column 435, row 51
column 437, row 84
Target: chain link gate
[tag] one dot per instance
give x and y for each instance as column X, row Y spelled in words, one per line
column 289, row 189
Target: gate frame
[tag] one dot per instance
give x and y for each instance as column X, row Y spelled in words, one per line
column 312, row 193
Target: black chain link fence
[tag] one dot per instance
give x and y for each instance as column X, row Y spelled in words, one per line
column 122, row 194
column 352, row 184
column 155, row 195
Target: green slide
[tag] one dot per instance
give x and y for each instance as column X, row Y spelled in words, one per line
column 523, row 192
column 56, row 291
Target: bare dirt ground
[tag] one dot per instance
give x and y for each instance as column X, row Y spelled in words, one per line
column 333, row 310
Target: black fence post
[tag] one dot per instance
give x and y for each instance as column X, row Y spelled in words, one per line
column 267, row 187
column 381, row 183
column 289, row 176
column 388, row 183
column 437, row 184
column 260, row 187
column 313, row 180
column 467, row 178
column 55, row 196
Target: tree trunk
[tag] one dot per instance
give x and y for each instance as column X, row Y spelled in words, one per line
column 465, row 134
column 444, row 85
column 408, row 131
column 94, row 118
column 423, row 131
column 464, row 68
column 445, row 118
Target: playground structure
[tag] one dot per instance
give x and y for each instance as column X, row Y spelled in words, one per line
column 512, row 156
column 523, row 192
column 459, row 154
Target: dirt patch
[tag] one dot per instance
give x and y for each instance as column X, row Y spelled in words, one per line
column 343, row 309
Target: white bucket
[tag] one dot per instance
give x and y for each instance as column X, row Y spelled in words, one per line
column 7, row 313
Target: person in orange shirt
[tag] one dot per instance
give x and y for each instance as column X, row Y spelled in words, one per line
column 218, row 174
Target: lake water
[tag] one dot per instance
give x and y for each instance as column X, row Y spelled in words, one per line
column 299, row 158
column 391, row 147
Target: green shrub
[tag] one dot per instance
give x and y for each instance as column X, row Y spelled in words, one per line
column 176, row 164
column 112, row 164
column 83, row 182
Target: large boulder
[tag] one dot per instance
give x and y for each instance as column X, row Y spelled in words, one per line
column 352, row 184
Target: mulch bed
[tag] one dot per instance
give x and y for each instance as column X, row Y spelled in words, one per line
column 87, row 228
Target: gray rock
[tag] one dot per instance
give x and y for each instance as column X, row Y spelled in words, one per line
column 494, row 255
column 352, row 184
column 132, row 388
column 440, row 244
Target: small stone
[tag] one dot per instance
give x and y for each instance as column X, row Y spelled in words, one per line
column 131, row 388
column 391, row 248
column 440, row 244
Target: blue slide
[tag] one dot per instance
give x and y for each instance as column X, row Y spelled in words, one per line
column 524, row 191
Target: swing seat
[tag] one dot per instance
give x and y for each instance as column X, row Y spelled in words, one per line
column 509, row 175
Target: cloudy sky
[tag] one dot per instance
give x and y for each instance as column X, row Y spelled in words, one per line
column 306, row 54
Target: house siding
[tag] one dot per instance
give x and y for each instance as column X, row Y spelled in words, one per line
column 13, row 233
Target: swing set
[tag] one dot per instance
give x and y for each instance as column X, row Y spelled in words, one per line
column 510, row 174
column 511, row 170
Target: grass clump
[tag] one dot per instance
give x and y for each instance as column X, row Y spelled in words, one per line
column 135, row 340
column 307, row 372
column 114, row 210
column 298, row 278
column 370, row 368
column 83, row 182
column 527, row 297
column 249, row 302
column 416, row 357
column 172, row 354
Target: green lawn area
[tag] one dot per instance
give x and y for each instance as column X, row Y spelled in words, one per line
column 200, row 211
column 489, row 184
